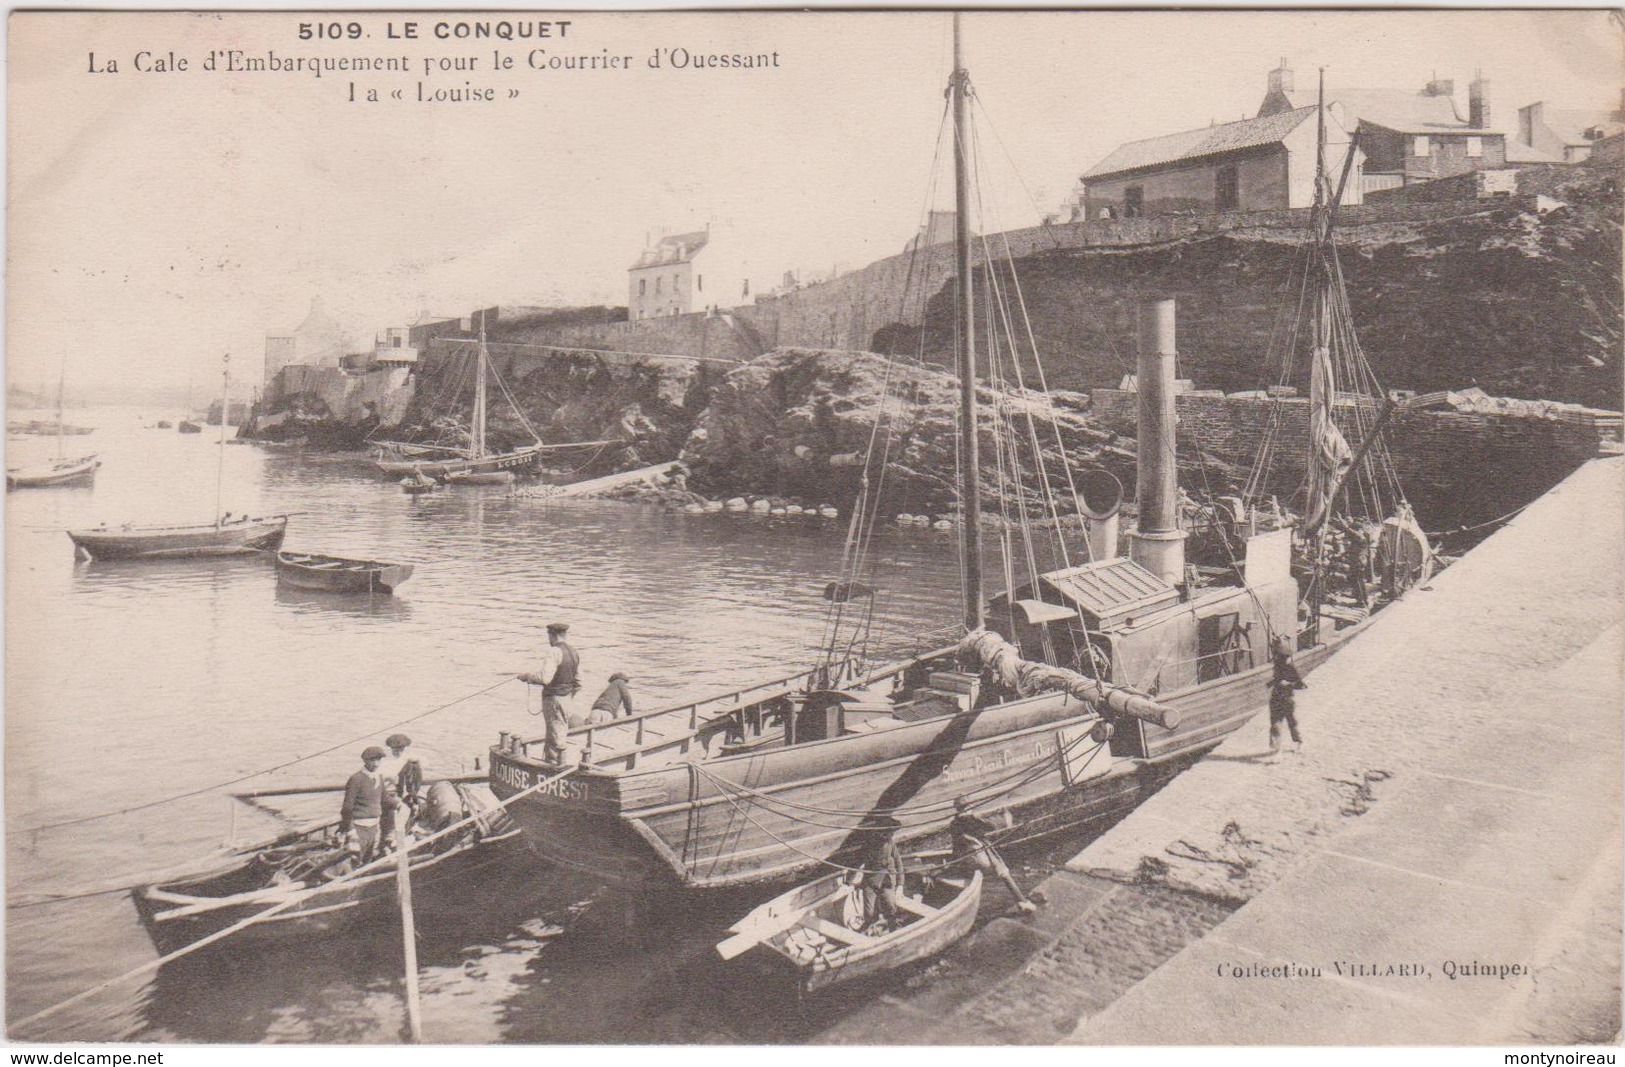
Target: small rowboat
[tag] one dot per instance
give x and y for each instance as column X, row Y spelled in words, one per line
column 335, row 574
column 413, row 484
column 252, row 879
column 809, row 931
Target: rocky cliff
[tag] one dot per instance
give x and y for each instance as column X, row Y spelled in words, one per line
column 1521, row 298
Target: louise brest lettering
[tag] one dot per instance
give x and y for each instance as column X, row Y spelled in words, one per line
column 520, row 778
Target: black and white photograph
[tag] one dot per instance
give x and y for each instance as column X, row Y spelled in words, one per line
column 1093, row 528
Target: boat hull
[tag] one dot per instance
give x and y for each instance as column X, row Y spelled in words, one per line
column 519, row 459
column 161, row 542
column 65, row 473
column 350, row 905
column 335, row 574
column 765, row 818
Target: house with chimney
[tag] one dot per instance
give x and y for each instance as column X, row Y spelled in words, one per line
column 1264, row 163
column 1422, row 136
column 677, row 274
column 1566, row 135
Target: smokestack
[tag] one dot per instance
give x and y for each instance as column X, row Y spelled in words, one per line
column 1100, row 498
column 1478, row 104
column 1159, row 543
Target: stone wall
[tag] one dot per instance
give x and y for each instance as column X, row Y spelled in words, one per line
column 1457, row 469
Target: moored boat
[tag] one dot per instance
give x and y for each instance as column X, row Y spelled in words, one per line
column 307, row 864
column 418, row 482
column 222, row 538
column 188, row 426
column 337, row 574
column 819, row 934
column 60, row 471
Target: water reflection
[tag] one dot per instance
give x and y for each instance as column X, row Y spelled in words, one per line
column 313, row 602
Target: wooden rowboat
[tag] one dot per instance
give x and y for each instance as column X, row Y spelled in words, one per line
column 336, row 574
column 255, row 878
column 809, row 930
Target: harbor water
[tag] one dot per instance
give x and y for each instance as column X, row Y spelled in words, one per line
column 129, row 683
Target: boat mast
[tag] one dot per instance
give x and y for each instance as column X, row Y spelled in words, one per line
column 61, row 379
column 969, row 452
column 476, row 440
column 220, row 464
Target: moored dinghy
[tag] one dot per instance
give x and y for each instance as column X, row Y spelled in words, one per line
column 337, row 574
column 815, row 929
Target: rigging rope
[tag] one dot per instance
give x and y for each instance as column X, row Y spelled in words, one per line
column 260, row 773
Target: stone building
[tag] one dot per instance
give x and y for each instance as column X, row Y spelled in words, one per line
column 1417, row 137
column 316, row 342
column 1566, row 135
column 1265, row 163
column 685, row 272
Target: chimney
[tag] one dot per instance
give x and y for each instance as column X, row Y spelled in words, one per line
column 1159, row 543
column 1528, row 118
column 1440, row 87
column 1281, row 78
column 1478, row 103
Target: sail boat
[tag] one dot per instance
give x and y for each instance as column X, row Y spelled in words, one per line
column 475, row 464
column 224, row 536
column 1064, row 701
column 1358, row 544
column 61, row 469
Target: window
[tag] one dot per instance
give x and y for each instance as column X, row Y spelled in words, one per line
column 1420, row 147
column 699, row 282
column 643, row 287
column 1227, row 188
column 657, row 285
column 1475, row 148
column 676, row 282
column 1133, row 202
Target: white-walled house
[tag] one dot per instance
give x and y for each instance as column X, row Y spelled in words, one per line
column 686, row 272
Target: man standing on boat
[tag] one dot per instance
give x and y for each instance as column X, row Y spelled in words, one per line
column 402, row 775
column 557, row 674
column 880, row 874
column 363, row 807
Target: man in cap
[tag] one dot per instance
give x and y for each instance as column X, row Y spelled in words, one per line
column 557, row 674
column 881, row 869
column 1285, row 681
column 970, row 834
column 403, row 777
column 363, row 807
column 616, row 695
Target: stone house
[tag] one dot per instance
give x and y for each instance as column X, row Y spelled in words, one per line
column 1265, row 163
column 1566, row 135
column 685, row 272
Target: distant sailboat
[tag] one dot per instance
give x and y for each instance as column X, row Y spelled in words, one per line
column 61, row 469
column 475, row 464
column 222, row 537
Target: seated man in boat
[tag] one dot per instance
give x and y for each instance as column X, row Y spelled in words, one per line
column 363, row 808
column 970, row 834
column 880, row 873
column 616, row 695
column 403, row 776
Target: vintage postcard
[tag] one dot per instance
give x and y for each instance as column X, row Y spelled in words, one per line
column 830, row 527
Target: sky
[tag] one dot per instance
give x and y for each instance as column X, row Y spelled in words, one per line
column 158, row 220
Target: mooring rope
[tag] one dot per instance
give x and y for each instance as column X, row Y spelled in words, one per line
column 281, row 906
column 78, row 820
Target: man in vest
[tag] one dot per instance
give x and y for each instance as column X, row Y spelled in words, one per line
column 557, row 674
